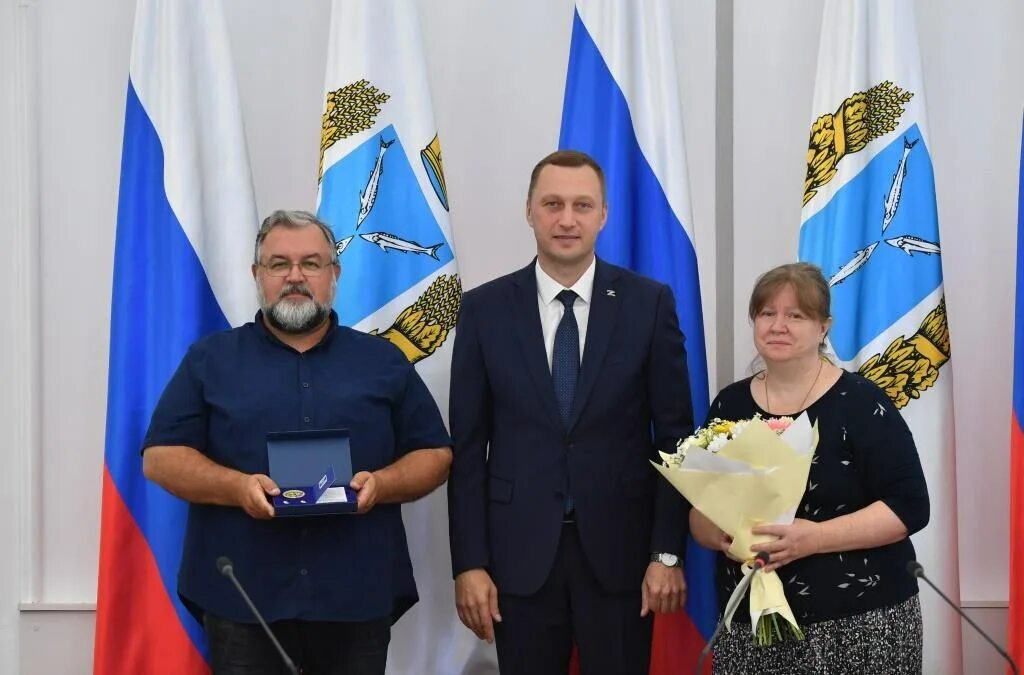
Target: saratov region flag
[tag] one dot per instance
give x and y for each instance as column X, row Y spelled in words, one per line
column 383, row 192
column 870, row 222
column 622, row 107
column 1016, row 642
column 185, row 226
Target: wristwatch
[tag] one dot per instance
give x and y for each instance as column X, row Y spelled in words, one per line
column 666, row 559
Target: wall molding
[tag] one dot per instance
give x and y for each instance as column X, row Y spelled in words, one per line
column 725, row 226
column 25, row 385
column 28, row 607
column 20, row 369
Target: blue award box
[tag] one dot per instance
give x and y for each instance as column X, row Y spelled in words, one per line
column 313, row 469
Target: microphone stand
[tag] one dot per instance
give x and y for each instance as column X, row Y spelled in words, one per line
column 916, row 570
column 225, row 567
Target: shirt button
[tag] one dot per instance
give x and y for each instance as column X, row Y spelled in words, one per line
column 303, row 571
column 305, row 385
column 306, row 420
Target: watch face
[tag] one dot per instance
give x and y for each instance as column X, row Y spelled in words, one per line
column 669, row 559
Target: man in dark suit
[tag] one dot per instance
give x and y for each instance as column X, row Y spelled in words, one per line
column 567, row 376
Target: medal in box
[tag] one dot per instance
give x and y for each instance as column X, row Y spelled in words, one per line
column 313, row 469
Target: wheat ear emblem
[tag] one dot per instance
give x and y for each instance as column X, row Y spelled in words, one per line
column 422, row 328
column 347, row 111
column 861, row 118
column 910, row 366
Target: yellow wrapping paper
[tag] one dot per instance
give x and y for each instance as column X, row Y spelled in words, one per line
column 755, row 478
column 768, row 597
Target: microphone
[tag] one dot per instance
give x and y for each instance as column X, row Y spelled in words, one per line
column 760, row 561
column 225, row 567
column 916, row 570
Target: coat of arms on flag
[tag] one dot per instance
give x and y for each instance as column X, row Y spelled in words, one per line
column 910, row 364
column 413, row 247
column 383, row 192
column 870, row 221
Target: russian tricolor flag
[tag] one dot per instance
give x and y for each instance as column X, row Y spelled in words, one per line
column 1016, row 618
column 622, row 107
column 185, row 228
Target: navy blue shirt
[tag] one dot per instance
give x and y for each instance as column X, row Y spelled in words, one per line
column 230, row 390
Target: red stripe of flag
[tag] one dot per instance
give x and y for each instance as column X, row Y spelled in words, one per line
column 150, row 639
column 1016, row 622
column 676, row 641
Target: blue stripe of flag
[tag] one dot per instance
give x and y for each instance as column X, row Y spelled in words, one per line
column 1018, row 332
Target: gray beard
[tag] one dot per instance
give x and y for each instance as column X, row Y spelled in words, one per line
column 295, row 316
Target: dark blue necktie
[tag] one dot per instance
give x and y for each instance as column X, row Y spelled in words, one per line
column 565, row 368
column 565, row 357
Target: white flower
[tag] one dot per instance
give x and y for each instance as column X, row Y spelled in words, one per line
column 718, row 442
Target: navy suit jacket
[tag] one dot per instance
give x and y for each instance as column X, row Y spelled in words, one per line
column 515, row 459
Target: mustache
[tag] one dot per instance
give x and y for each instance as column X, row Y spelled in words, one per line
column 302, row 289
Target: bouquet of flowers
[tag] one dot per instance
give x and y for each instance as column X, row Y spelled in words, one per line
column 741, row 474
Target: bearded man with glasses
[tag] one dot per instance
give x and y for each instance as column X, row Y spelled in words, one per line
column 332, row 586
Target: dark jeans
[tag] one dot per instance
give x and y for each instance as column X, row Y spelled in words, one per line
column 316, row 647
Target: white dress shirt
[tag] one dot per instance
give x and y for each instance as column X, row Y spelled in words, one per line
column 551, row 308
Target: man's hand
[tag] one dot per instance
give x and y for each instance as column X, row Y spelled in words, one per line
column 795, row 541
column 252, row 495
column 476, row 599
column 368, row 490
column 663, row 590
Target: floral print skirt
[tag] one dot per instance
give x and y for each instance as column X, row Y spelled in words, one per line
column 886, row 641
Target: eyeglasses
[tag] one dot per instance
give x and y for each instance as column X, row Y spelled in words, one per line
column 309, row 268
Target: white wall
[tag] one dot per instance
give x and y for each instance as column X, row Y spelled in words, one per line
column 775, row 52
column 497, row 73
column 975, row 98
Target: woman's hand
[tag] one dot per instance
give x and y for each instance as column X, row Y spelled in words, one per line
column 798, row 540
column 708, row 534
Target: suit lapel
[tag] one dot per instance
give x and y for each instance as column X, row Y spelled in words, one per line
column 604, row 309
column 530, row 337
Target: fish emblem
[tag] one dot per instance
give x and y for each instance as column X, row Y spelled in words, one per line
column 910, row 245
column 859, row 259
column 342, row 245
column 368, row 197
column 387, row 241
column 892, row 200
